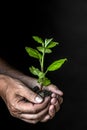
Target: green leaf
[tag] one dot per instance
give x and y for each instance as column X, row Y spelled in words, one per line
column 52, row 44
column 41, row 49
column 33, row 52
column 41, row 75
column 56, row 64
column 44, row 82
column 48, row 50
column 47, row 41
column 35, row 71
column 38, row 39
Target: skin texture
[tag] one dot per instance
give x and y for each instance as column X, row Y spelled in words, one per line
column 22, row 102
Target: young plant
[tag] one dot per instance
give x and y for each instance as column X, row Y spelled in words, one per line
column 45, row 46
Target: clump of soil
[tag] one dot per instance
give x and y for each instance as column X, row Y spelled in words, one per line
column 43, row 93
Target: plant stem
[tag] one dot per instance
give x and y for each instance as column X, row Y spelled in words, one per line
column 42, row 64
column 42, row 61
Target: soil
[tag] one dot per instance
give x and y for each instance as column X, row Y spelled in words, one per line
column 43, row 93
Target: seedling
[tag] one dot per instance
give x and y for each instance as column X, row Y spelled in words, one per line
column 45, row 46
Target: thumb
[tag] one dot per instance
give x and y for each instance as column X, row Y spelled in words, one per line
column 31, row 96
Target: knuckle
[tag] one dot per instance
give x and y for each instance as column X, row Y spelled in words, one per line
column 13, row 110
column 34, row 121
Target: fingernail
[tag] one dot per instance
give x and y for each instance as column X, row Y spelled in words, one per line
column 38, row 99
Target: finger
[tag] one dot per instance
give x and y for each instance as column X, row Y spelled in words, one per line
column 29, row 95
column 54, row 89
column 56, row 97
column 53, row 101
column 28, row 107
column 53, row 95
column 56, row 102
column 52, row 111
column 30, row 121
column 46, row 118
column 37, row 116
column 57, row 106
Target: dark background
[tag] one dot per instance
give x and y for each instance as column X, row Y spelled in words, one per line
column 66, row 22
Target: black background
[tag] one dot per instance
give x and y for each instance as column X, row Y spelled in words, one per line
column 66, row 22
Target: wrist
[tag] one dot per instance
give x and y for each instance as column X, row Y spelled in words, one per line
column 3, row 84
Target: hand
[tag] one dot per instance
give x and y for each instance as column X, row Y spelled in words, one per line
column 20, row 99
column 56, row 96
column 55, row 102
column 21, row 102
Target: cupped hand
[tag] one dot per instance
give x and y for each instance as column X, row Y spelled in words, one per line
column 55, row 102
column 22, row 102
column 56, row 96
